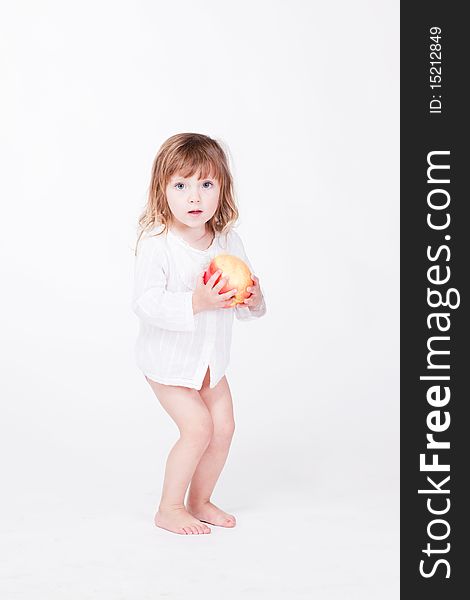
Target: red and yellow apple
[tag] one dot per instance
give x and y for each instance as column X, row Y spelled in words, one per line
column 237, row 275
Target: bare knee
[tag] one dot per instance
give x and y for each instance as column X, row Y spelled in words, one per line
column 223, row 431
column 199, row 431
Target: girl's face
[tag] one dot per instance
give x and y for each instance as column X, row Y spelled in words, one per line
column 192, row 194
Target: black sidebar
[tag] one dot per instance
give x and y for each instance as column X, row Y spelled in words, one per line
column 435, row 253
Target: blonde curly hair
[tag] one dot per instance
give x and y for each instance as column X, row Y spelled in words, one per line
column 186, row 154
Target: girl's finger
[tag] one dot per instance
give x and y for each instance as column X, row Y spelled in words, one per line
column 229, row 293
column 219, row 285
column 213, row 277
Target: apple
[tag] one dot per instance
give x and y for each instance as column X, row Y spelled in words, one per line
column 237, row 273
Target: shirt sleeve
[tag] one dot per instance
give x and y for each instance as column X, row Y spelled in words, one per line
column 246, row 313
column 151, row 301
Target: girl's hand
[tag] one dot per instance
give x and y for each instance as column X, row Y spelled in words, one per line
column 206, row 295
column 256, row 298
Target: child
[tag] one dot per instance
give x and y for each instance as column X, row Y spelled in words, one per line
column 183, row 346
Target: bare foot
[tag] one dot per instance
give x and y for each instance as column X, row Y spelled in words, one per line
column 209, row 513
column 179, row 520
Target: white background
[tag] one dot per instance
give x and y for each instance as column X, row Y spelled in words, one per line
column 305, row 96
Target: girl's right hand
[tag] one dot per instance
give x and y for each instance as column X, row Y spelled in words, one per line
column 206, row 295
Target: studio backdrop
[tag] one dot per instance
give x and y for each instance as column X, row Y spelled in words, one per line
column 304, row 97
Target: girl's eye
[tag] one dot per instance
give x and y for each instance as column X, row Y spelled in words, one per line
column 206, row 185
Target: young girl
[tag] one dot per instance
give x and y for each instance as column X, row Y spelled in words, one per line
column 183, row 346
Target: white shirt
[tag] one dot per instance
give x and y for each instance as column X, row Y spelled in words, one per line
column 175, row 346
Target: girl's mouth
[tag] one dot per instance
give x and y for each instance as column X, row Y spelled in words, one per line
column 195, row 212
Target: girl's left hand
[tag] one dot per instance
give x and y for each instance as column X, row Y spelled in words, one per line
column 256, row 298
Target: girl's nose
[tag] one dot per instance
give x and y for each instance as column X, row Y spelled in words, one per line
column 194, row 195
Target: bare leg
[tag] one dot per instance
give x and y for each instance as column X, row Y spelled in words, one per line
column 219, row 402
column 185, row 407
